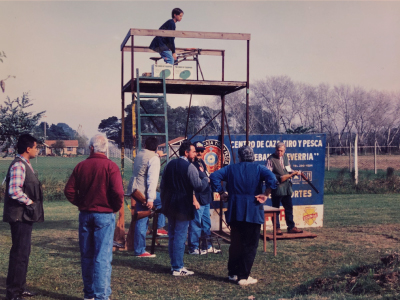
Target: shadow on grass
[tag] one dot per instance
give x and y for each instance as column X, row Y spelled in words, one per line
column 127, row 259
column 57, row 225
column 41, row 292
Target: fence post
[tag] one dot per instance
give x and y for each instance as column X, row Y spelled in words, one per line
column 375, row 168
column 328, row 156
column 350, row 157
column 356, row 160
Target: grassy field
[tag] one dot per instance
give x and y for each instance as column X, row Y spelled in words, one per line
column 56, row 168
column 358, row 230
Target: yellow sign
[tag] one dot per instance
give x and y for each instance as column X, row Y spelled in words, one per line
column 310, row 215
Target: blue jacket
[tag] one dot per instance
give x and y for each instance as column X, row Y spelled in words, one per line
column 244, row 181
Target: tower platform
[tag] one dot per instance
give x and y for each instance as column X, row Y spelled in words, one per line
column 195, row 87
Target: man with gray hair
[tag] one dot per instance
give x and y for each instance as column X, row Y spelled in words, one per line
column 278, row 163
column 95, row 187
column 245, row 212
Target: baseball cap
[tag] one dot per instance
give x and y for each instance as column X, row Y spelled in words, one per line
column 199, row 146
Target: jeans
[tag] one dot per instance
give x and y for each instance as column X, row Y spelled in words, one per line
column 200, row 226
column 139, row 240
column 96, row 231
column 161, row 217
column 243, row 248
column 167, row 56
column 177, row 232
column 19, row 258
column 288, row 206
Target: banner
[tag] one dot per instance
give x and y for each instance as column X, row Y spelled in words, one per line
column 306, row 152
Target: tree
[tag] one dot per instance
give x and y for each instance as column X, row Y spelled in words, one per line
column 57, row 132
column 15, row 120
column 112, row 128
column 58, row 147
column 3, row 81
column 273, row 95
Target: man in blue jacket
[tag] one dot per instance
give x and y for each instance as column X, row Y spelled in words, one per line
column 245, row 212
column 166, row 45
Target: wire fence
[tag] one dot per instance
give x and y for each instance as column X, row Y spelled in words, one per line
column 369, row 158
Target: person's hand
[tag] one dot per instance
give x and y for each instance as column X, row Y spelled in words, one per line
column 149, row 205
column 196, row 203
column 298, row 173
column 161, row 154
column 261, row 198
column 224, row 197
column 174, row 56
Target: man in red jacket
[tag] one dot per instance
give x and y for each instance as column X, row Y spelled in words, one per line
column 95, row 187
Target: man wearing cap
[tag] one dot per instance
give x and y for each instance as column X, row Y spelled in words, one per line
column 201, row 224
column 245, row 212
column 279, row 164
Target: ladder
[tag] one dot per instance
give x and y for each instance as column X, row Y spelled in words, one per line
column 140, row 115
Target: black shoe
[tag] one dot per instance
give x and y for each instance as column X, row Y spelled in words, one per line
column 28, row 293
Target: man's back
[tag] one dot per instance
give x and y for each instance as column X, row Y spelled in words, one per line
column 244, row 182
column 140, row 178
column 95, row 185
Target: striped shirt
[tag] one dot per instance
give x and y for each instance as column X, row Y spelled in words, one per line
column 17, row 179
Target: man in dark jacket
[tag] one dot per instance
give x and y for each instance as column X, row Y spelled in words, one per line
column 95, row 187
column 201, row 224
column 179, row 180
column 166, row 45
column 23, row 205
column 245, row 212
column 279, row 164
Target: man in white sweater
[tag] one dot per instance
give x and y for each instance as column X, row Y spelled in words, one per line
column 145, row 174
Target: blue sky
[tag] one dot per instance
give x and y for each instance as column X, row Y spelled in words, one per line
column 66, row 54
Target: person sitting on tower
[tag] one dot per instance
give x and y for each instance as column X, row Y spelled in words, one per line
column 166, row 45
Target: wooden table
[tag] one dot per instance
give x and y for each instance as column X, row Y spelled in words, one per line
column 273, row 213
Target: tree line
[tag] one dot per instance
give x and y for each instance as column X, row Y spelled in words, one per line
column 280, row 105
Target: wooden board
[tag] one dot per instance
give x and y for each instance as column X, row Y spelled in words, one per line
column 195, row 87
column 304, row 235
column 186, row 34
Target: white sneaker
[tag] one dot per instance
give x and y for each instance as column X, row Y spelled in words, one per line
column 247, row 281
column 182, row 272
column 213, row 250
column 233, row 278
column 198, row 252
column 88, row 298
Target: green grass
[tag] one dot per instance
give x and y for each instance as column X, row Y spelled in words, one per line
column 358, row 230
column 54, row 172
column 57, row 168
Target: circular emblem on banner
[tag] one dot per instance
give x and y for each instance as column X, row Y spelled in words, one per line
column 212, row 155
column 310, row 215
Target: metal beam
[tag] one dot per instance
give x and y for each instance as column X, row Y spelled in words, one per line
column 212, row 52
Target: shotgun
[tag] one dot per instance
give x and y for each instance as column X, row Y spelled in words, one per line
column 309, row 182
